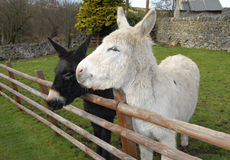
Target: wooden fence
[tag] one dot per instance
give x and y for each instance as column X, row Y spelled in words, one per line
column 124, row 127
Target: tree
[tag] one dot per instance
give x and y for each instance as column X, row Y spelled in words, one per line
column 97, row 16
column 69, row 10
column 35, row 20
column 162, row 4
column 15, row 15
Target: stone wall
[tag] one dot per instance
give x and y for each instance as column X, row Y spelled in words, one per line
column 24, row 50
column 194, row 32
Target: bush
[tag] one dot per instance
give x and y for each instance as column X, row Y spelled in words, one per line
column 97, row 16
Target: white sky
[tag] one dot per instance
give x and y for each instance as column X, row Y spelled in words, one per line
column 141, row 3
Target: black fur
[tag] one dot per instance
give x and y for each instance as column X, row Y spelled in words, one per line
column 66, row 85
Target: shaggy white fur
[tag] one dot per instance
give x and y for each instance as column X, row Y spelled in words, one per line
column 125, row 61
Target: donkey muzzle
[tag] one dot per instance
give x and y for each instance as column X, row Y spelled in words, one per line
column 54, row 100
column 82, row 75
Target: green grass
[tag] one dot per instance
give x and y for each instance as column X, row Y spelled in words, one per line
column 23, row 137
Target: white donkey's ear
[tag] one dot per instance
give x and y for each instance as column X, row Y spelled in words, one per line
column 145, row 26
column 121, row 19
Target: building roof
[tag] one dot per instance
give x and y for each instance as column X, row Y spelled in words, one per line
column 200, row 5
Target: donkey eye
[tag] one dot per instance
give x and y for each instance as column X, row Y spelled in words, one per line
column 68, row 75
column 114, row 48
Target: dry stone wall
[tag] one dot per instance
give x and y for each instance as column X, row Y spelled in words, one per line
column 24, row 50
column 194, row 32
column 29, row 50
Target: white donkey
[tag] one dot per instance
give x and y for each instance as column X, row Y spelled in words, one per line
column 125, row 61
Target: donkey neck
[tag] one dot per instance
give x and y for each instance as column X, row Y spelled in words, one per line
column 142, row 91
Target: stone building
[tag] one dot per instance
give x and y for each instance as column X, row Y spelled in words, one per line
column 188, row 8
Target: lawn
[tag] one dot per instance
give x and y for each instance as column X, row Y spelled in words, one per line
column 24, row 138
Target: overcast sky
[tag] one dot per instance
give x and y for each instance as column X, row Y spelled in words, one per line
column 141, row 3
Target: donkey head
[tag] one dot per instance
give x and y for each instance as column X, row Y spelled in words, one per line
column 122, row 54
column 65, row 87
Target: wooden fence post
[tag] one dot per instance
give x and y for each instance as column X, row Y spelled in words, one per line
column 125, row 121
column 44, row 89
column 14, row 86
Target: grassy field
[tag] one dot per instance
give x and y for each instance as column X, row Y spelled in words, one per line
column 24, row 138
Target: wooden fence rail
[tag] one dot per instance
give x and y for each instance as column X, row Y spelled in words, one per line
column 56, row 129
column 72, row 126
column 156, row 146
column 213, row 137
column 26, row 76
column 198, row 132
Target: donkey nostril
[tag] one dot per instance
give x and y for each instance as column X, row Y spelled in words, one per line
column 81, row 70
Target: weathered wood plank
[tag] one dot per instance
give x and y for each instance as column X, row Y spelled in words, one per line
column 44, row 89
column 11, row 74
column 125, row 121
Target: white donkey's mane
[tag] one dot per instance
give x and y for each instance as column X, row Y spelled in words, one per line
column 125, row 61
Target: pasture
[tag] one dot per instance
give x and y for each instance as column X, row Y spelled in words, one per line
column 23, row 137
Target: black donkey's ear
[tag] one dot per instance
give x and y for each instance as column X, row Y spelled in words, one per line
column 82, row 49
column 60, row 50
